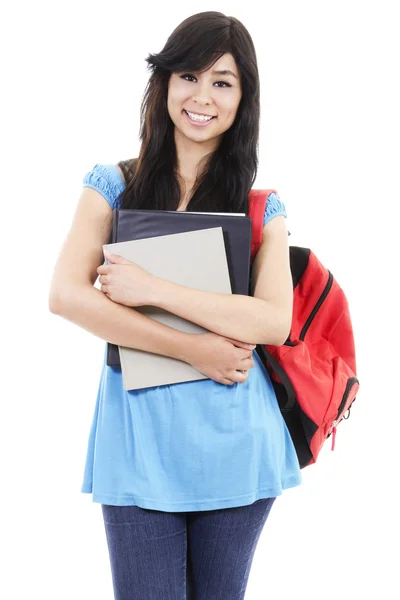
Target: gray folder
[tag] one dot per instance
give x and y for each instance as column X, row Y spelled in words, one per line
column 195, row 259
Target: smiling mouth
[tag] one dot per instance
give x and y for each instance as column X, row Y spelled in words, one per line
column 200, row 120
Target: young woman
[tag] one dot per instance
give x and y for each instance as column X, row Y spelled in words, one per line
column 186, row 474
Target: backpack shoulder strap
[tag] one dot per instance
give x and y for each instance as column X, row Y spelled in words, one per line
column 257, row 205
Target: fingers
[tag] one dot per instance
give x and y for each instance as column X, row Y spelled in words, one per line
column 240, row 377
column 242, row 373
column 246, row 364
column 236, row 377
column 244, row 354
column 227, row 381
column 239, row 344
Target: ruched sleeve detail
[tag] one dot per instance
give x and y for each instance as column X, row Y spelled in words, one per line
column 103, row 179
column 274, row 208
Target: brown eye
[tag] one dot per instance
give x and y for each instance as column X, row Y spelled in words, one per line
column 187, row 75
column 224, row 83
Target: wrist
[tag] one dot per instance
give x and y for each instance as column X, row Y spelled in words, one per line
column 186, row 349
column 162, row 293
column 155, row 291
column 179, row 345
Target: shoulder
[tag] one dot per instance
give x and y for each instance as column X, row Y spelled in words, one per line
column 274, row 208
column 120, row 172
column 106, row 179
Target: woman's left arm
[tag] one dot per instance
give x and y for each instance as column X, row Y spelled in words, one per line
column 264, row 318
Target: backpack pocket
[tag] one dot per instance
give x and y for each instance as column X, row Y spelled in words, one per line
column 314, row 392
column 344, row 391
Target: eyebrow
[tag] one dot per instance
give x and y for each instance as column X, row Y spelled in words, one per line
column 225, row 72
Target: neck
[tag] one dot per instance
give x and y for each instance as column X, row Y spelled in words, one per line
column 189, row 154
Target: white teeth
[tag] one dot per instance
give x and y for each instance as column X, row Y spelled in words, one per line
column 198, row 117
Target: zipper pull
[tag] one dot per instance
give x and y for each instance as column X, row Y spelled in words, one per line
column 333, row 435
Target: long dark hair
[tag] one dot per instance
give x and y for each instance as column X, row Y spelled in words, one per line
column 229, row 172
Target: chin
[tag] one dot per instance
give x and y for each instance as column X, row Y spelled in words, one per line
column 198, row 134
column 200, row 138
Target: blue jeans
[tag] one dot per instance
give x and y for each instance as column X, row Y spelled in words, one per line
column 204, row 555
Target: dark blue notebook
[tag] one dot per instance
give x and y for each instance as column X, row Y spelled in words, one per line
column 133, row 224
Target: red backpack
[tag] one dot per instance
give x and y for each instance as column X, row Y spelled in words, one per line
column 314, row 371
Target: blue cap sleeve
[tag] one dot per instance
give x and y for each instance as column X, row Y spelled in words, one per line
column 102, row 179
column 274, row 208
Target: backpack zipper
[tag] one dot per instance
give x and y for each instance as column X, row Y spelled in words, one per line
column 317, row 306
column 350, row 383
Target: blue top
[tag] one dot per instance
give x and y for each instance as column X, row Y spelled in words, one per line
column 197, row 445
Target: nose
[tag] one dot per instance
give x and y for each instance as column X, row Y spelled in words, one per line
column 201, row 101
column 202, row 94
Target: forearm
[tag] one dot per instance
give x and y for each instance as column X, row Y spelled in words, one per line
column 244, row 318
column 89, row 308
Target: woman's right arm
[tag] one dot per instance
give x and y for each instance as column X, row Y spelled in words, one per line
column 73, row 296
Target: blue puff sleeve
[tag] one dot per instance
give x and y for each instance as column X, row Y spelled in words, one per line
column 274, row 208
column 102, row 178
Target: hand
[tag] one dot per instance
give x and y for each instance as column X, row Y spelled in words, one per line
column 219, row 358
column 125, row 282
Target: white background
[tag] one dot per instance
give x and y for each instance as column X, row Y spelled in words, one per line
column 74, row 75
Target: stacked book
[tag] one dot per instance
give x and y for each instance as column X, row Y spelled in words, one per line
column 205, row 251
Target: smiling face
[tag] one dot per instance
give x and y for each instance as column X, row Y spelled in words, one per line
column 193, row 97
